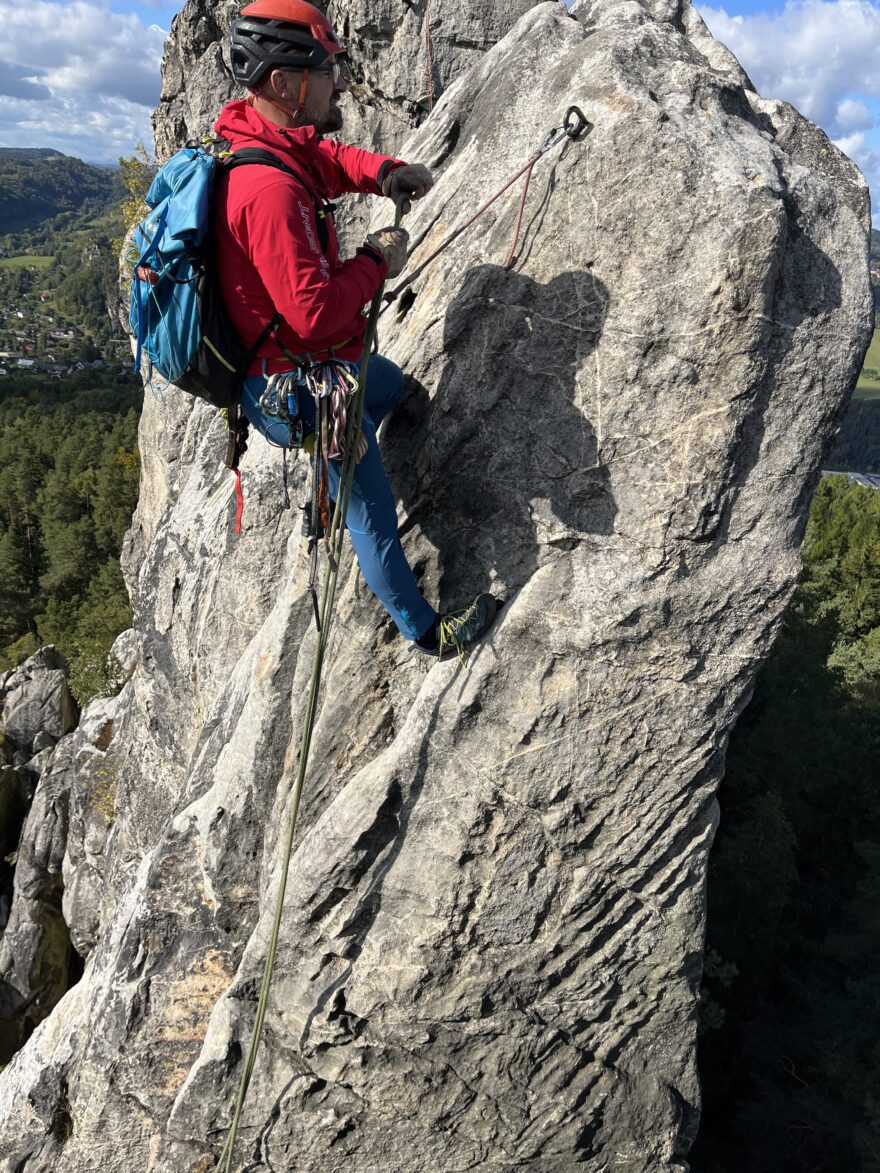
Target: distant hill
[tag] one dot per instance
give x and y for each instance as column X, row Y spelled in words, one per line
column 37, row 184
column 59, row 272
column 29, row 153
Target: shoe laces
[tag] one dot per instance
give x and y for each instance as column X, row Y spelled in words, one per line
column 452, row 626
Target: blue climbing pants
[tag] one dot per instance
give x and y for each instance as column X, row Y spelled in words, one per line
column 372, row 513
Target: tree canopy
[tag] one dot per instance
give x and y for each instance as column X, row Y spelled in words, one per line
column 69, row 473
column 790, row 1054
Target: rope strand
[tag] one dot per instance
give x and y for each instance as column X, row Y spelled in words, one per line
column 335, row 540
column 428, row 52
column 552, row 140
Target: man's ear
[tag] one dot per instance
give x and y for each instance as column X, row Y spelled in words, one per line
column 275, row 84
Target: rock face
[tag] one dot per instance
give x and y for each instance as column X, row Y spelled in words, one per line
column 492, row 939
column 36, row 710
column 35, row 702
column 403, row 58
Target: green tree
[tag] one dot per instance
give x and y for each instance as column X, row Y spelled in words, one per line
column 138, row 171
column 16, row 587
column 790, row 1054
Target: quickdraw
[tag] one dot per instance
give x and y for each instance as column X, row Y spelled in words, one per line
column 574, row 126
column 334, row 380
column 332, row 385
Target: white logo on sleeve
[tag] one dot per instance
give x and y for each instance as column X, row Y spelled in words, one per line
column 305, row 213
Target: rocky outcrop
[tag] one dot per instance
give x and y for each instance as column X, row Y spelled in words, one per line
column 35, row 947
column 403, row 57
column 36, row 707
column 491, row 947
column 36, row 711
column 16, row 792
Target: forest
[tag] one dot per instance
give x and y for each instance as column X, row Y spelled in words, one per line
column 790, row 1033
column 36, row 185
column 69, row 470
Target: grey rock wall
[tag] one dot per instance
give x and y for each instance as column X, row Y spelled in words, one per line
column 37, row 710
column 35, row 702
column 492, row 940
column 391, row 43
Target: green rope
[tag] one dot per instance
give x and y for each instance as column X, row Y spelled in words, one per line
column 335, row 540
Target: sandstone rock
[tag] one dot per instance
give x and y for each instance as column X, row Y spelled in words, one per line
column 94, row 778
column 491, row 947
column 37, row 700
column 16, row 792
column 126, row 651
column 35, row 947
column 42, row 741
column 387, row 43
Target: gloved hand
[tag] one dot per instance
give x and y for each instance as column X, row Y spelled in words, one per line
column 411, row 180
column 392, row 243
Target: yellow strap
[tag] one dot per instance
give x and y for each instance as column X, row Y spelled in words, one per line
column 213, row 349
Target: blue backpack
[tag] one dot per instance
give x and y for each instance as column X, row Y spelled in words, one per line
column 177, row 315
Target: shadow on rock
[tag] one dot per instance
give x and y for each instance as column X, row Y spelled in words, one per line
column 500, row 467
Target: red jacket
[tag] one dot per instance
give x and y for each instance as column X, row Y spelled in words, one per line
column 267, row 249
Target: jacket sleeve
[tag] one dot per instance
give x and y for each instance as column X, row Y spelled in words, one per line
column 277, row 230
column 345, row 169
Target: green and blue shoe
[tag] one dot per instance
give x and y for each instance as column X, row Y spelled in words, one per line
column 456, row 631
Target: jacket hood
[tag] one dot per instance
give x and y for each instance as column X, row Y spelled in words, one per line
column 242, row 126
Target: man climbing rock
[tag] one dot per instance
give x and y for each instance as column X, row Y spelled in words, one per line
column 277, row 253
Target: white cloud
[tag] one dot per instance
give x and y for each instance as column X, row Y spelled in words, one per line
column 79, row 78
column 819, row 55
column 812, row 53
column 851, row 144
column 853, row 115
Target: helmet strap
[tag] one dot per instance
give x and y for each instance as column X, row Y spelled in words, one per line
column 292, row 111
column 303, row 90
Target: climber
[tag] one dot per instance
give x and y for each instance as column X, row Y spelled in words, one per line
column 276, row 252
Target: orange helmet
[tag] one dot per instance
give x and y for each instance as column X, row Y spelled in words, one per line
column 279, row 34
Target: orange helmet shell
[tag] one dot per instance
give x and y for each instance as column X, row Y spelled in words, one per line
column 297, row 12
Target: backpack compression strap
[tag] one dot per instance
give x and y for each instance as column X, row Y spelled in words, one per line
column 252, row 155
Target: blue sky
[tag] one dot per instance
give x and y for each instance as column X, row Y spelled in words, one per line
column 83, row 76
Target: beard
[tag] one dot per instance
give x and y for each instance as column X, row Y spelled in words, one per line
column 332, row 121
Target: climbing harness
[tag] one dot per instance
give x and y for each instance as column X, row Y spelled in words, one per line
column 574, row 125
column 335, row 535
column 332, row 385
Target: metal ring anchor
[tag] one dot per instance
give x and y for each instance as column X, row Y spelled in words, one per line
column 576, row 124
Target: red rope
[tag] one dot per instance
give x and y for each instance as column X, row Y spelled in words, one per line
column 389, row 297
column 509, row 259
column 428, row 50
column 239, row 500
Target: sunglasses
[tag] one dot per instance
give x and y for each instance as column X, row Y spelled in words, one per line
column 341, row 71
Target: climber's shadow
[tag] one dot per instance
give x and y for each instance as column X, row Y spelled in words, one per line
column 500, row 467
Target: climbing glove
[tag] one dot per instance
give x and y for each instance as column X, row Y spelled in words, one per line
column 411, row 181
column 392, row 243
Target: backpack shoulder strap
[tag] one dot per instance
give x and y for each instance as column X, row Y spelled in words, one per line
column 251, row 155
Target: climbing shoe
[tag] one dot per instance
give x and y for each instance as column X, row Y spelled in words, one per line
column 456, row 631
